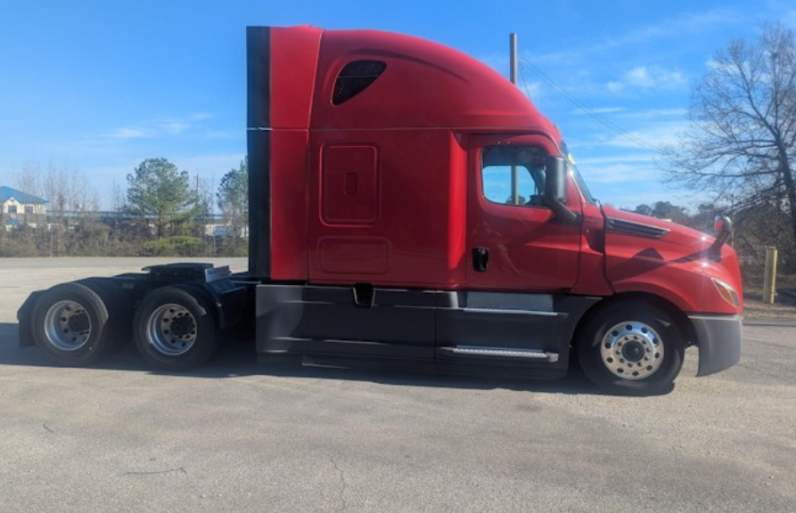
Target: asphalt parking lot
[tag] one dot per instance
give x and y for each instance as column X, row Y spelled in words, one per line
column 241, row 436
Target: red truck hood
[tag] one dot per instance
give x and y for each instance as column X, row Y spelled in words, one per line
column 648, row 255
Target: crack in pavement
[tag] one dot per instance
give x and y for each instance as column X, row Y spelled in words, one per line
column 181, row 470
column 343, row 484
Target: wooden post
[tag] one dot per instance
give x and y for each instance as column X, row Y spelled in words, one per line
column 770, row 276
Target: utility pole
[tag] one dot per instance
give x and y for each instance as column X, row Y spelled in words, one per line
column 513, row 57
column 515, row 193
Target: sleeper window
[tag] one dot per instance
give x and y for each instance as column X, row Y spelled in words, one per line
column 354, row 78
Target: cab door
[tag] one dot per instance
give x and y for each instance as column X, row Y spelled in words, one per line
column 515, row 242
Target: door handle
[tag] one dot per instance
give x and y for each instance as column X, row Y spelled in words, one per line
column 480, row 259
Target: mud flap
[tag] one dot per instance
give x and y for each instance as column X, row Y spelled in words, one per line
column 24, row 317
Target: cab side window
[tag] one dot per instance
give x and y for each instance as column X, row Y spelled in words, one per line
column 504, row 165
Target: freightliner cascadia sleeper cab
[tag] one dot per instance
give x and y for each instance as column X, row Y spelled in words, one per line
column 410, row 205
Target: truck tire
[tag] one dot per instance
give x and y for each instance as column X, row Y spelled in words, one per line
column 71, row 324
column 174, row 329
column 631, row 348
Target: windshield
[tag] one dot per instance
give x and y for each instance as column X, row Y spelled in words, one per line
column 573, row 168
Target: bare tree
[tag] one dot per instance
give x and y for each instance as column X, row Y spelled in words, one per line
column 740, row 145
column 29, row 179
column 233, row 198
column 117, row 197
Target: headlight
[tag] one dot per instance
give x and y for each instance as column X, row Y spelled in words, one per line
column 726, row 292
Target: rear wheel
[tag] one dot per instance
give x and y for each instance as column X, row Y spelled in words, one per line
column 631, row 348
column 71, row 325
column 174, row 329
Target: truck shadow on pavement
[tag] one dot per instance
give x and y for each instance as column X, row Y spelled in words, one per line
column 238, row 358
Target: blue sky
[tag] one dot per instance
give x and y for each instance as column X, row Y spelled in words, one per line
column 94, row 87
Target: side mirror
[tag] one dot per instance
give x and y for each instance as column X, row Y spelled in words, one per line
column 722, row 225
column 556, row 179
column 555, row 193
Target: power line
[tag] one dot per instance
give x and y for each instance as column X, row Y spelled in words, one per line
column 588, row 110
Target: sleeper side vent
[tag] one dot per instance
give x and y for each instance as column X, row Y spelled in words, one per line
column 354, row 78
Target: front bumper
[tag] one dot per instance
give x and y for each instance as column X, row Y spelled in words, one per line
column 719, row 340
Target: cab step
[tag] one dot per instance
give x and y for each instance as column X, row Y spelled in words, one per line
column 500, row 352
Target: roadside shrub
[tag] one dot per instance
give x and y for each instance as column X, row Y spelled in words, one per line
column 179, row 245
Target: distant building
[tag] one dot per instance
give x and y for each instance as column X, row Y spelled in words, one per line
column 17, row 207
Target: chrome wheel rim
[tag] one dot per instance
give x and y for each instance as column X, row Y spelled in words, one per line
column 172, row 329
column 632, row 350
column 67, row 325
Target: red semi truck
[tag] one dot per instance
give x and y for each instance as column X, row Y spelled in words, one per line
column 408, row 204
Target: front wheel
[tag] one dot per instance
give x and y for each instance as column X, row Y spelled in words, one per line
column 174, row 329
column 631, row 348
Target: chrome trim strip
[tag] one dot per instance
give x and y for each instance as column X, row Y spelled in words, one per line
column 506, row 352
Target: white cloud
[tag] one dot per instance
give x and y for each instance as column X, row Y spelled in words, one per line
column 497, row 61
column 677, row 112
column 533, row 90
column 693, row 23
column 645, row 131
column 172, row 127
column 785, row 12
column 722, row 68
column 629, row 181
column 618, row 171
column 600, row 110
column 128, row 133
column 654, row 135
column 648, row 77
column 624, row 158
column 159, row 127
column 675, row 27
